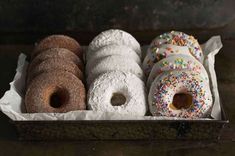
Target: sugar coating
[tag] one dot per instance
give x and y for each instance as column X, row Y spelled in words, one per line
column 180, row 39
column 168, row 84
column 58, row 41
column 37, row 98
column 61, row 53
column 128, row 84
column 114, row 62
column 111, row 50
column 158, row 53
column 113, row 36
column 177, row 62
column 53, row 64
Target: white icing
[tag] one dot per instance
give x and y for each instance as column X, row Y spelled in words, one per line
column 109, row 50
column 179, row 88
column 102, row 89
column 163, row 51
column 189, row 63
column 113, row 36
column 189, row 41
column 114, row 62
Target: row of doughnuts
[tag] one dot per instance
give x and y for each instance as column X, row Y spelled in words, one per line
column 55, row 76
column 177, row 81
column 114, row 75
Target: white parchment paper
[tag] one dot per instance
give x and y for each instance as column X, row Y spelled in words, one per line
column 12, row 103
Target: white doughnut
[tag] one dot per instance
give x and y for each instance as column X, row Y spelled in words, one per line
column 180, row 39
column 113, row 49
column 157, row 54
column 177, row 62
column 119, row 83
column 113, row 36
column 114, row 62
column 187, row 82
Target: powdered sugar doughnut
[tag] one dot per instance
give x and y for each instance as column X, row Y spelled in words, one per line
column 180, row 39
column 157, row 54
column 177, row 62
column 115, row 62
column 119, row 92
column 170, row 84
column 109, row 50
column 113, row 36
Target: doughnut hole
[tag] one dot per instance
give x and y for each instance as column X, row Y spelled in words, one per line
column 181, row 100
column 58, row 97
column 118, row 99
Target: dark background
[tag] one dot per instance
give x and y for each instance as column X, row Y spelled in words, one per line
column 23, row 22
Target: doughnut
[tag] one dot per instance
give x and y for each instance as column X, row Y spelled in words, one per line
column 113, row 36
column 197, row 99
column 52, row 64
column 58, row 41
column 57, row 53
column 109, row 50
column 180, row 39
column 177, row 62
column 158, row 54
column 118, row 91
column 55, row 92
column 115, row 62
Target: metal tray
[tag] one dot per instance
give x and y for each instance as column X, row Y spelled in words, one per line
column 121, row 129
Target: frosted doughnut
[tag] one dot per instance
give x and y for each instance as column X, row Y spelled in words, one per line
column 114, row 62
column 119, row 92
column 169, row 84
column 113, row 36
column 158, row 54
column 119, row 50
column 180, row 39
column 177, row 62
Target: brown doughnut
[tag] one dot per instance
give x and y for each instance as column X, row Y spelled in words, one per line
column 57, row 53
column 55, row 92
column 58, row 41
column 52, row 64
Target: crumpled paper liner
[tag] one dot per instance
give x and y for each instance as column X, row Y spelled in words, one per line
column 12, row 103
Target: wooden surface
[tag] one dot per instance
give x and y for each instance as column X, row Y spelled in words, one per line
column 25, row 21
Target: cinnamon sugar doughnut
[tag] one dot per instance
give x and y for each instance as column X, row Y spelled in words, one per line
column 58, row 41
column 52, row 64
column 57, row 53
column 55, row 92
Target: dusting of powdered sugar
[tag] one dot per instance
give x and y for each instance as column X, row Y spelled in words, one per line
column 114, row 49
column 103, row 88
column 114, row 62
column 113, row 36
